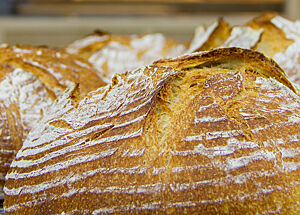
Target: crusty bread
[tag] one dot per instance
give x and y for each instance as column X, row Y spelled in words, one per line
column 112, row 54
column 209, row 133
column 275, row 36
column 30, row 79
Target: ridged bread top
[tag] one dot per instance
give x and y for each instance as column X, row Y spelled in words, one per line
column 30, row 80
column 209, row 133
column 112, row 54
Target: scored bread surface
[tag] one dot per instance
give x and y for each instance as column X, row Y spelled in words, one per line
column 30, row 80
column 209, row 133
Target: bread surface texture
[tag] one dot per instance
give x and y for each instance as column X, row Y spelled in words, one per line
column 208, row 133
column 112, row 54
column 31, row 78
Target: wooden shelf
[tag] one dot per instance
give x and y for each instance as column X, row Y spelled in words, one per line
column 146, row 7
column 59, row 31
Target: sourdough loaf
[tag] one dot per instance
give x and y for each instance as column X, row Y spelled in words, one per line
column 112, row 54
column 275, row 36
column 30, row 79
column 209, row 133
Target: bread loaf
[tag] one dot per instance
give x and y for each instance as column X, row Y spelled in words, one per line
column 269, row 33
column 112, row 54
column 30, row 79
column 209, row 133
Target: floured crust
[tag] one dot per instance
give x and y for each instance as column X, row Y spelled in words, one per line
column 113, row 54
column 205, row 134
column 31, row 78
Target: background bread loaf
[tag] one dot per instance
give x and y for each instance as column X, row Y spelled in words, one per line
column 30, row 79
column 275, row 36
column 112, row 54
column 211, row 133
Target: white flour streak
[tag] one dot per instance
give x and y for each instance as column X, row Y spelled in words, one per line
column 223, row 134
column 62, row 165
column 71, row 178
column 136, row 108
column 251, row 116
column 7, row 151
column 134, row 153
column 201, row 36
column 243, row 37
column 137, row 119
column 77, row 45
column 82, row 64
column 276, row 125
column 124, row 208
column 72, row 148
column 194, row 138
column 235, row 163
column 15, row 49
column 205, row 107
column 80, row 133
column 290, row 166
column 289, row 153
column 210, row 119
column 59, row 181
column 157, row 171
column 232, row 145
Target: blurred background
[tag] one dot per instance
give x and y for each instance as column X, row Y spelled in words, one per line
column 59, row 22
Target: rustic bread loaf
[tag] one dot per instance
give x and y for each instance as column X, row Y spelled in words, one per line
column 112, row 54
column 30, row 79
column 269, row 33
column 209, row 133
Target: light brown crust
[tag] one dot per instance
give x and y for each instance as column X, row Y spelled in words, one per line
column 30, row 79
column 174, row 137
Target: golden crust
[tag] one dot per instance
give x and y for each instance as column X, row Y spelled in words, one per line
column 30, row 79
column 211, row 133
